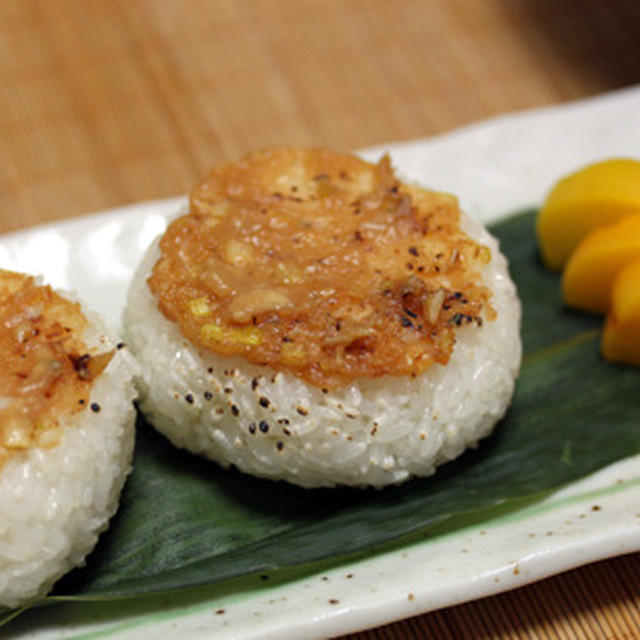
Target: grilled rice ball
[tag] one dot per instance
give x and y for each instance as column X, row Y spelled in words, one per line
column 314, row 319
column 66, row 434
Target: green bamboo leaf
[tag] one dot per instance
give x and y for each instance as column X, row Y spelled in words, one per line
column 184, row 523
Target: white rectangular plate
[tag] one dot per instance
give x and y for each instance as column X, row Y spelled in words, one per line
column 496, row 167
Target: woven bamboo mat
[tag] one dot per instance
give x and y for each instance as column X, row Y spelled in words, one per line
column 107, row 102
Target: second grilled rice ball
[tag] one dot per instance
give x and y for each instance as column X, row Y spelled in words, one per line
column 66, row 434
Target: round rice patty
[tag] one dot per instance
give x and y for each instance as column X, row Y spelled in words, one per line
column 371, row 432
column 54, row 502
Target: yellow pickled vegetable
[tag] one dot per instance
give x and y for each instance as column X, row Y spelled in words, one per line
column 589, row 275
column 621, row 338
column 597, row 195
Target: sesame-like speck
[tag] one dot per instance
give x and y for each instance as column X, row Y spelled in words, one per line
column 264, row 401
column 302, row 411
column 264, row 426
column 95, row 407
column 234, row 410
column 279, row 445
column 207, row 395
column 189, row 398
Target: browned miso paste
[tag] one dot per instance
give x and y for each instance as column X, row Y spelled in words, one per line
column 321, row 264
column 45, row 370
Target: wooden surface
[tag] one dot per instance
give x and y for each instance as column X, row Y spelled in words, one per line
column 107, row 102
